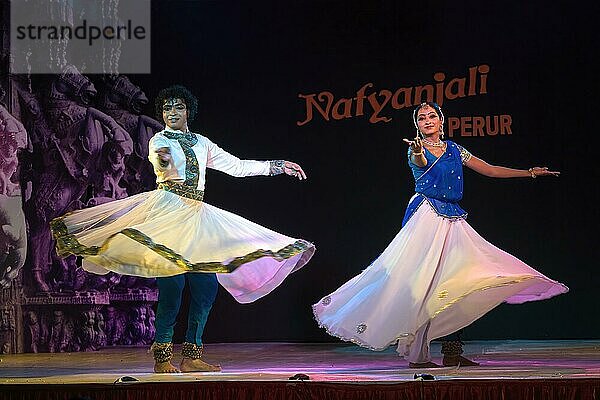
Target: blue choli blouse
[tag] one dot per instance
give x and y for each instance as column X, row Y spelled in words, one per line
column 440, row 182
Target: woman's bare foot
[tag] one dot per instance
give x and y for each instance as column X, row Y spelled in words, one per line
column 165, row 368
column 427, row 364
column 197, row 365
column 456, row 361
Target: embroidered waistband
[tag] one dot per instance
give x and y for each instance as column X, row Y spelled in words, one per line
column 181, row 190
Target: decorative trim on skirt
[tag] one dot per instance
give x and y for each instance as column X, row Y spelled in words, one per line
column 435, row 271
column 161, row 233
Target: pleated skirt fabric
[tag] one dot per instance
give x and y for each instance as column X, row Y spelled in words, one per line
column 159, row 233
column 436, row 273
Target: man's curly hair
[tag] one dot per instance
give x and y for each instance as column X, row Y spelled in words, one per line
column 176, row 92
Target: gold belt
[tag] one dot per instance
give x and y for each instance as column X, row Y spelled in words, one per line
column 182, row 190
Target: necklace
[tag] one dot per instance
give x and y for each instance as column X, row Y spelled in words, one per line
column 437, row 144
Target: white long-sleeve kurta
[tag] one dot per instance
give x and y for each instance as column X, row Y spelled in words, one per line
column 135, row 235
column 208, row 155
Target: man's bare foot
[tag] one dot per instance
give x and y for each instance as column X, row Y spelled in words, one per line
column 197, row 365
column 165, row 368
column 427, row 364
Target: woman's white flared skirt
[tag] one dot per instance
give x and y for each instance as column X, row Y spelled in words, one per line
column 436, row 271
column 158, row 234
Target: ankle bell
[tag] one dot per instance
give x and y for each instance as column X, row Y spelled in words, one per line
column 192, row 350
column 162, row 352
column 452, row 348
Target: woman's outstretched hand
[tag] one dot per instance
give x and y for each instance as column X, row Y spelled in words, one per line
column 542, row 171
column 416, row 145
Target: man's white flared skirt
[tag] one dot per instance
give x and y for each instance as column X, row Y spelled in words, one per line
column 158, row 234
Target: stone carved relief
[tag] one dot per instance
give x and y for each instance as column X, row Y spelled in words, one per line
column 124, row 101
column 68, row 148
column 33, row 336
column 150, row 329
column 88, row 335
column 13, row 237
column 114, row 326
column 136, row 328
column 60, row 333
column 79, row 156
column 87, row 328
column 7, row 319
column 13, row 137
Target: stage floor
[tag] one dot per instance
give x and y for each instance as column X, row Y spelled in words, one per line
column 321, row 362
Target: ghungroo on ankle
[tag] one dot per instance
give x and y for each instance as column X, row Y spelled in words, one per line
column 162, row 352
column 192, row 350
column 452, row 348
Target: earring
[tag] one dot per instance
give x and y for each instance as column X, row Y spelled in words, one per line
column 441, row 131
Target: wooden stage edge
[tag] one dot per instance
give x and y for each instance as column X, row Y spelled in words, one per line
column 548, row 369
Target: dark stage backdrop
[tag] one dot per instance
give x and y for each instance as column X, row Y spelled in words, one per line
column 516, row 81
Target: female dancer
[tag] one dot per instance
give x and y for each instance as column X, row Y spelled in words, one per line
column 170, row 233
column 437, row 275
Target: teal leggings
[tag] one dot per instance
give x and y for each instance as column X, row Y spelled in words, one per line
column 203, row 291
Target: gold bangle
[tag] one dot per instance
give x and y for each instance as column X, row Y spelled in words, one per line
column 417, row 154
column 533, row 175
